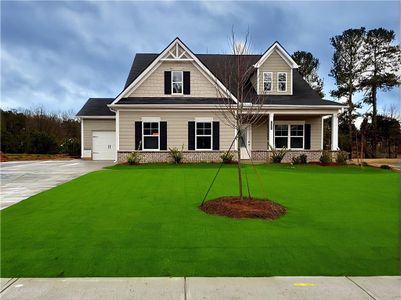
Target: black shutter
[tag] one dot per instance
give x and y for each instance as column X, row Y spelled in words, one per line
column 216, row 135
column 187, row 83
column 307, row 136
column 191, row 135
column 167, row 82
column 138, row 135
column 163, row 135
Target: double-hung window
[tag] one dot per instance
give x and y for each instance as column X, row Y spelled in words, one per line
column 282, row 81
column 290, row 136
column 177, row 82
column 151, row 135
column 203, row 136
column 297, row 136
column 267, row 81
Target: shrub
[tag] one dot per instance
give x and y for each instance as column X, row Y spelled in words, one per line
column 71, row 146
column 278, row 155
column 134, row 158
column 325, row 158
column 341, row 158
column 385, row 167
column 227, row 157
column 300, row 160
column 176, row 154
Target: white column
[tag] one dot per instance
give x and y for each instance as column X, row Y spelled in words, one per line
column 117, row 134
column 334, row 132
column 271, row 125
column 82, row 138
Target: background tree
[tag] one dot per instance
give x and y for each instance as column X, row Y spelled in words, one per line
column 308, row 67
column 381, row 63
column 347, row 69
column 234, row 72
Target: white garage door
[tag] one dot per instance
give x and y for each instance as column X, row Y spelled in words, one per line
column 103, row 145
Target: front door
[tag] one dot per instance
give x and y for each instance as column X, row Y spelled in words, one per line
column 245, row 142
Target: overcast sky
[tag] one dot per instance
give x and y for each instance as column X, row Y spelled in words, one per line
column 58, row 54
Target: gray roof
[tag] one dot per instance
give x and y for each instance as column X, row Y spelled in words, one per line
column 96, row 107
column 217, row 64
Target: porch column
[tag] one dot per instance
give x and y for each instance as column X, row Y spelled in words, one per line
column 334, row 132
column 270, row 127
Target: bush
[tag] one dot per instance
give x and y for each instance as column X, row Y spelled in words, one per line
column 71, row 147
column 341, row 158
column 300, row 160
column 385, row 167
column 325, row 158
column 176, row 154
column 134, row 158
column 227, row 157
column 41, row 142
column 278, row 155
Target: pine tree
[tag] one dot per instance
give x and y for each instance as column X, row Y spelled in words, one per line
column 381, row 64
column 347, row 70
column 308, row 67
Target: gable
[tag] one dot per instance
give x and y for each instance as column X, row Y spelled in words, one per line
column 275, row 63
column 153, row 85
column 175, row 52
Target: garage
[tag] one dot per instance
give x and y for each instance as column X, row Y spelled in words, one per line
column 103, row 145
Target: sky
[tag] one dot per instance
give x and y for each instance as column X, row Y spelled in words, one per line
column 57, row 54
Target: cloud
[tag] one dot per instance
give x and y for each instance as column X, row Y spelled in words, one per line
column 57, row 54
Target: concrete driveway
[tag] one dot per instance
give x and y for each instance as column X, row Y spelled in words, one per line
column 23, row 179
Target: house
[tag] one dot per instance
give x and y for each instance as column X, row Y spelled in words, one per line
column 173, row 99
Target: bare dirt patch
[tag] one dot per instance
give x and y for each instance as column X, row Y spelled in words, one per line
column 233, row 207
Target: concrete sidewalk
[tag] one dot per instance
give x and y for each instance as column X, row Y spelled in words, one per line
column 203, row 288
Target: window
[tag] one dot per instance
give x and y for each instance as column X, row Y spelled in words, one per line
column 151, row 135
column 297, row 136
column 289, row 135
column 281, row 136
column 203, row 136
column 177, row 82
column 267, row 81
column 282, row 81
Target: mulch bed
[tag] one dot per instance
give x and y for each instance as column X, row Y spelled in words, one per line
column 233, row 207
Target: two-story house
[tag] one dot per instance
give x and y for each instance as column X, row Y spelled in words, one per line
column 173, row 99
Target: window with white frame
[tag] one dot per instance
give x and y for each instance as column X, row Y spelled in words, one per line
column 282, row 81
column 297, row 136
column 281, row 136
column 267, row 81
column 177, row 82
column 151, row 135
column 203, row 138
column 290, row 136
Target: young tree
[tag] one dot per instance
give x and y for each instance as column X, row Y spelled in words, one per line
column 381, row 63
column 235, row 73
column 347, row 69
column 308, row 67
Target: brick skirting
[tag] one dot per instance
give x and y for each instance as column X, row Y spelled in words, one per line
column 214, row 156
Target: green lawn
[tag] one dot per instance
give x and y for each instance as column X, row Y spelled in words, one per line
column 145, row 221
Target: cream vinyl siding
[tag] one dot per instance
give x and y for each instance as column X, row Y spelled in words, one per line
column 275, row 64
column 259, row 135
column 316, row 127
column 96, row 125
column 153, row 86
column 177, row 127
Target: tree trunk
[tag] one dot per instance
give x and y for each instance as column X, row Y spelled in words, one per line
column 374, row 120
column 239, row 162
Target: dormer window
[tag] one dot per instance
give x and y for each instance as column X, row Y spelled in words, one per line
column 177, row 82
column 282, row 81
column 267, row 81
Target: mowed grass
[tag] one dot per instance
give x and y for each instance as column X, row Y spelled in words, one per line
column 145, row 221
